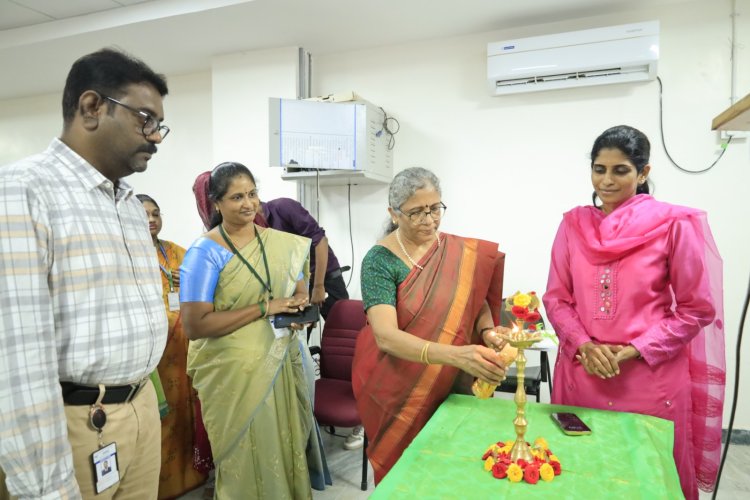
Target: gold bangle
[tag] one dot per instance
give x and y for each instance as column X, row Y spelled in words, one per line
column 423, row 355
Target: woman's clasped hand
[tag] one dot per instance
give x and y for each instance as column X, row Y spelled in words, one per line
column 603, row 360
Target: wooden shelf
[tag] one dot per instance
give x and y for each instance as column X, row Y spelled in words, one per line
column 337, row 177
column 735, row 117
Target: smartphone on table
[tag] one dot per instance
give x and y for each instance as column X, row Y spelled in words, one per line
column 571, row 424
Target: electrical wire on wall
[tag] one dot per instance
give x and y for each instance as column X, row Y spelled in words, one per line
column 351, row 236
column 390, row 126
column 664, row 144
column 317, row 195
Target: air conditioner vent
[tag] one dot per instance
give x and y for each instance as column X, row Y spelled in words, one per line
column 575, row 75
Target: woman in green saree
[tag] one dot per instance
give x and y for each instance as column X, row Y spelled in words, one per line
column 249, row 376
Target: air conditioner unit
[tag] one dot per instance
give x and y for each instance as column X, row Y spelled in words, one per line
column 625, row 53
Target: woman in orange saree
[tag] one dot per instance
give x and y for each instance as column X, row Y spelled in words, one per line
column 177, row 475
column 431, row 299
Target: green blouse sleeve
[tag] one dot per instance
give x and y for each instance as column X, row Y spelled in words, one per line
column 382, row 273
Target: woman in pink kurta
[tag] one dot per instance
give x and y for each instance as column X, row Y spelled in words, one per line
column 635, row 296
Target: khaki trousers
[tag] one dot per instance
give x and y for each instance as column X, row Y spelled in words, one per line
column 136, row 428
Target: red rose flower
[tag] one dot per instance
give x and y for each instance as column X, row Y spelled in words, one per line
column 556, row 467
column 531, row 328
column 499, row 471
column 531, row 474
column 533, row 317
column 519, row 312
column 522, row 463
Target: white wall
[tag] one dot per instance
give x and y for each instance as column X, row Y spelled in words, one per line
column 242, row 84
column 28, row 125
column 509, row 166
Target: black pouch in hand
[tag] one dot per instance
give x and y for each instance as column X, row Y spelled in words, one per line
column 309, row 314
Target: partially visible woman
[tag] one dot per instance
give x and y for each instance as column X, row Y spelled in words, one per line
column 432, row 300
column 635, row 296
column 249, row 375
column 177, row 473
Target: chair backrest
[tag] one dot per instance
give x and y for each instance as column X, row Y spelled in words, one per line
column 345, row 319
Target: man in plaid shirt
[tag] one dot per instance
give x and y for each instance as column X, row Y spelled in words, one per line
column 82, row 322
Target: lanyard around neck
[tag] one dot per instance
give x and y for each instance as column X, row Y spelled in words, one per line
column 167, row 271
column 266, row 284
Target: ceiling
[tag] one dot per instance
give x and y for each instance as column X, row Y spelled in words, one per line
column 39, row 39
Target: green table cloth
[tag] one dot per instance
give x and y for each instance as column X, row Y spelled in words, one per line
column 627, row 456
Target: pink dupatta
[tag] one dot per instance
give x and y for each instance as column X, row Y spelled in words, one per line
column 634, row 223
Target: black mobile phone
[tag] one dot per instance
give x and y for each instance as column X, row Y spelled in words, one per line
column 571, row 424
column 309, row 314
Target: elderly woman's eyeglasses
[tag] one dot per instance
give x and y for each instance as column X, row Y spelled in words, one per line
column 150, row 124
column 419, row 215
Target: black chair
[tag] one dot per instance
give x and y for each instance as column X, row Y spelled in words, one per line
column 533, row 375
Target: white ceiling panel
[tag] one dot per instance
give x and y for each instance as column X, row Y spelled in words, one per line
column 13, row 15
column 68, row 8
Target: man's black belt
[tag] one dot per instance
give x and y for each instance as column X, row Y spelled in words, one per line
column 75, row 394
column 337, row 272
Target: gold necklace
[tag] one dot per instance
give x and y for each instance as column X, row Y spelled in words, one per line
column 403, row 249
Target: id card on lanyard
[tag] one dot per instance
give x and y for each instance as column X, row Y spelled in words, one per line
column 173, row 298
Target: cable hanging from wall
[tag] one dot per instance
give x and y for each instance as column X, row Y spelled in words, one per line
column 390, row 126
column 664, row 144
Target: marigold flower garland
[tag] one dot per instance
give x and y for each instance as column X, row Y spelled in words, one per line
column 545, row 464
column 524, row 307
